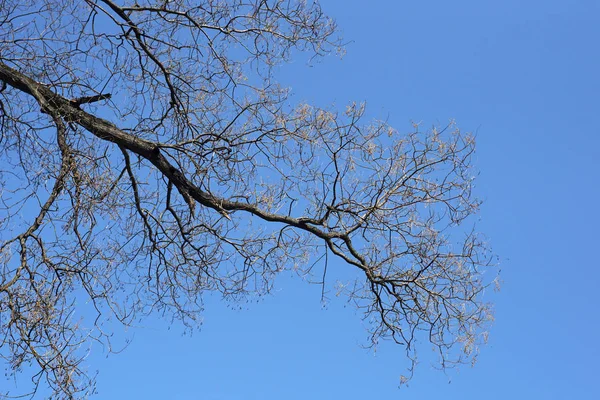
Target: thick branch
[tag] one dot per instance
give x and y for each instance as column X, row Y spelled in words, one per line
column 148, row 150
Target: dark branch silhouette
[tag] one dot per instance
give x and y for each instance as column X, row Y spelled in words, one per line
column 90, row 99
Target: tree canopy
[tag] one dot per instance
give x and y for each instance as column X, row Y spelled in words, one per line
column 149, row 156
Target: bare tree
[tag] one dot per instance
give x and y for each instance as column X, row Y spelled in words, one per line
column 149, row 156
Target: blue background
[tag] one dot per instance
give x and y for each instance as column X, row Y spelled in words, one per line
column 523, row 75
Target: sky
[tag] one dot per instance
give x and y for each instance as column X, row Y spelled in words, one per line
column 523, row 76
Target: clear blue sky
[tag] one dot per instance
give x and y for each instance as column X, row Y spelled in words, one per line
column 524, row 76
